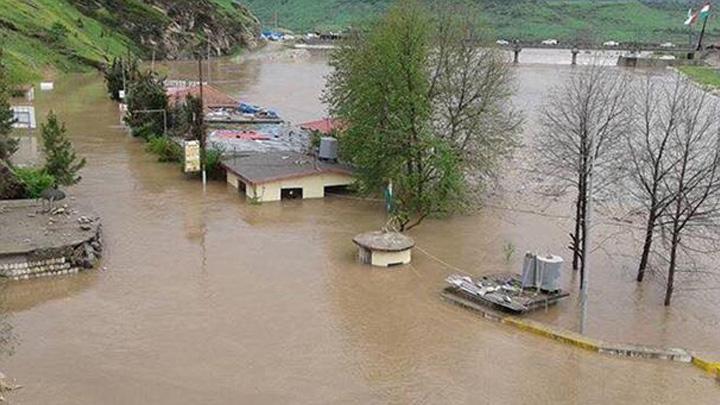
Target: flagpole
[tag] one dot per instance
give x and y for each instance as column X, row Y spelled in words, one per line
column 702, row 33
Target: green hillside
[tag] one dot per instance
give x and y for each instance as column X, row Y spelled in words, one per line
column 51, row 34
column 600, row 20
column 41, row 37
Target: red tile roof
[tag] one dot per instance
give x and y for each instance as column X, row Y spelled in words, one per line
column 212, row 97
column 324, row 126
column 239, row 134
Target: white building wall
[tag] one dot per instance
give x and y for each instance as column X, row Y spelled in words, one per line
column 385, row 259
column 313, row 186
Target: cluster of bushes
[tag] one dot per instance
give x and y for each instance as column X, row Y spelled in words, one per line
column 212, row 159
column 165, row 148
column 35, row 180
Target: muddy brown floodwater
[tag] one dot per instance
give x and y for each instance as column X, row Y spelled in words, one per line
column 207, row 299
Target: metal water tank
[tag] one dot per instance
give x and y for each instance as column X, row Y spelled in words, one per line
column 328, row 148
column 549, row 272
column 528, row 270
column 541, row 271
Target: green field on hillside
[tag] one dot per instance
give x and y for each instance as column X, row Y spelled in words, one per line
column 41, row 37
column 41, row 34
column 618, row 20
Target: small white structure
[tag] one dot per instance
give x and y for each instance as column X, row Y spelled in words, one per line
column 667, row 45
column 552, row 42
column 47, row 86
column 611, row 44
column 24, row 116
column 384, row 249
column 502, row 42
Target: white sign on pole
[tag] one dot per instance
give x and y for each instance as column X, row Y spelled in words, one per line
column 192, row 156
column 121, row 94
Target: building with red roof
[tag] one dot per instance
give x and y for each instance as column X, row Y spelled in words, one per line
column 212, row 97
column 325, row 126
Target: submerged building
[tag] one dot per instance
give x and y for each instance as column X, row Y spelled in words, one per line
column 274, row 176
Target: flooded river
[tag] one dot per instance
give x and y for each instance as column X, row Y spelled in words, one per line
column 207, row 299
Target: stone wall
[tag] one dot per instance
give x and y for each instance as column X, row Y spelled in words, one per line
column 53, row 261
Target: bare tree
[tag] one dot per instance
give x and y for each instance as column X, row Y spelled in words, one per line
column 694, row 180
column 582, row 127
column 656, row 111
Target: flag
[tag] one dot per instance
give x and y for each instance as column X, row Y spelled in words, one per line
column 705, row 11
column 389, row 197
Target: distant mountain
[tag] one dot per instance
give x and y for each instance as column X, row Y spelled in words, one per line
column 603, row 20
column 38, row 36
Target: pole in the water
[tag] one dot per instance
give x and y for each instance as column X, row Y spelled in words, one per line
column 200, row 120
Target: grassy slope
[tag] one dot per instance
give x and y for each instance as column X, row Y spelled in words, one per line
column 706, row 76
column 28, row 53
column 620, row 20
column 25, row 27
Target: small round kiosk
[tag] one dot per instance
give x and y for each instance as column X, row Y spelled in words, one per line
column 384, row 249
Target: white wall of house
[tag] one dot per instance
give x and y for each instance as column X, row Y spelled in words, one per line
column 385, row 259
column 313, row 186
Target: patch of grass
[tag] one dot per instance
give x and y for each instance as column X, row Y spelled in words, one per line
column 706, row 76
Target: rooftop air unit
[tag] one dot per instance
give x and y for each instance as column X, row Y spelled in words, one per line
column 328, row 149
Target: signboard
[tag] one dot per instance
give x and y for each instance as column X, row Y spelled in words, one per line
column 192, row 156
column 47, row 86
column 121, row 94
column 24, row 117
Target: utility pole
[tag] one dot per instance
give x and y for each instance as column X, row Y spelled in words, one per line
column 122, row 66
column 200, row 122
column 585, row 238
column 209, row 71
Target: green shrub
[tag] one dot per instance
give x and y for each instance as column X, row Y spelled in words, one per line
column 165, row 149
column 35, row 179
column 213, row 167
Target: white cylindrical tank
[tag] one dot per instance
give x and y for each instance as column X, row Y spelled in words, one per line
column 549, row 267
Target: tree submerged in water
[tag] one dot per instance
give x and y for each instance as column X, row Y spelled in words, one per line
column 61, row 162
column 426, row 107
column 8, row 144
column 119, row 74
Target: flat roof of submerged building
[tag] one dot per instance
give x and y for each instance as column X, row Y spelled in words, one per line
column 259, row 168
